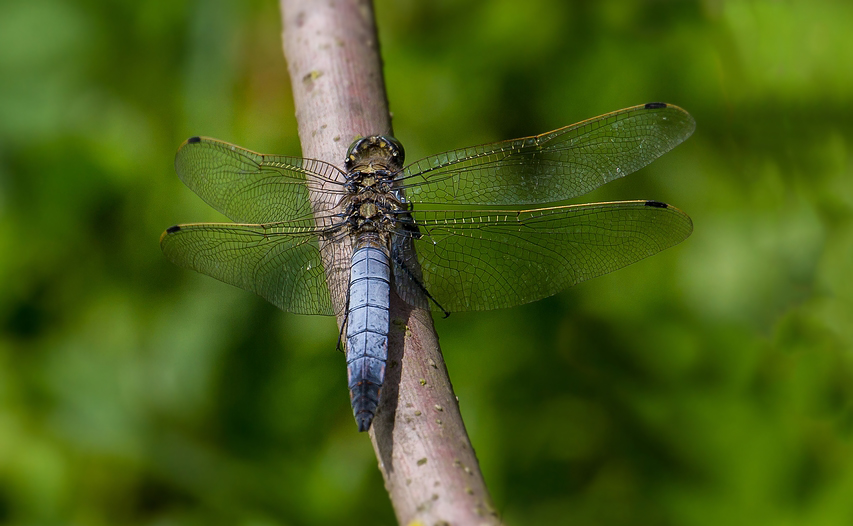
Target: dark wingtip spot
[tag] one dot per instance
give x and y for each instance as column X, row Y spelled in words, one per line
column 655, row 105
column 173, row 229
column 195, row 139
column 657, row 204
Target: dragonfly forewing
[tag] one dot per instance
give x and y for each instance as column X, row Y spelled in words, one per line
column 249, row 187
column 551, row 167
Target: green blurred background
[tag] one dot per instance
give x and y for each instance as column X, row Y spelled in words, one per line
column 711, row 384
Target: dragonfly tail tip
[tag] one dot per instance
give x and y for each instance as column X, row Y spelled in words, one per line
column 364, row 420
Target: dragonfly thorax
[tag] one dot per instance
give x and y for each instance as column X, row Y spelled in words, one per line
column 371, row 203
column 375, row 181
column 369, row 210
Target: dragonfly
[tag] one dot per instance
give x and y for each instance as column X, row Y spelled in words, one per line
column 463, row 230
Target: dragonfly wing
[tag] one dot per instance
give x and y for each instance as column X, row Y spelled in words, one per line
column 250, row 187
column 551, row 167
column 280, row 262
column 481, row 260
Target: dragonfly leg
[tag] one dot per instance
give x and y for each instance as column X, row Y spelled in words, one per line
column 414, row 279
column 340, row 346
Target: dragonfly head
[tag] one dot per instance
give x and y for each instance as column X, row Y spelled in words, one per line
column 375, row 152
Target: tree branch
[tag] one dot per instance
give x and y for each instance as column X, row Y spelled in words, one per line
column 430, row 469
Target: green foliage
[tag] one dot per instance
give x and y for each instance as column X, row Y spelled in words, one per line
column 711, row 384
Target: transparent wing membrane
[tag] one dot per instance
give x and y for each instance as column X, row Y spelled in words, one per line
column 280, row 262
column 476, row 260
column 250, row 187
column 551, row 167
